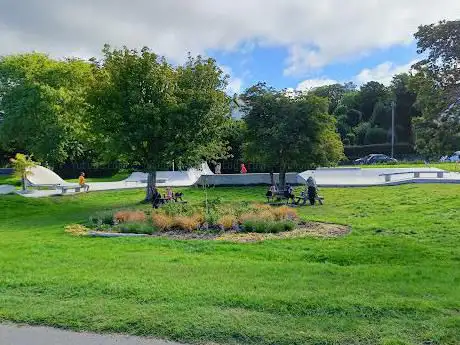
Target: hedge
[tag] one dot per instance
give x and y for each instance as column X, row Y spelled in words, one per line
column 400, row 150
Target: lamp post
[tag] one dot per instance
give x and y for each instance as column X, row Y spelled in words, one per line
column 393, row 104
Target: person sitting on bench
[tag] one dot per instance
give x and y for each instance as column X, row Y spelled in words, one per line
column 169, row 194
column 289, row 193
column 178, row 197
column 271, row 192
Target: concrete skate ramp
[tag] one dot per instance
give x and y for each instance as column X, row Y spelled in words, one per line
column 172, row 178
column 43, row 177
column 245, row 179
column 357, row 177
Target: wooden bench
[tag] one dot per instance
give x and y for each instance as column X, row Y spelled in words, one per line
column 278, row 198
column 164, row 200
column 416, row 174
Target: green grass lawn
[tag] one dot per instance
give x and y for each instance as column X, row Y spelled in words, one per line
column 394, row 280
column 13, row 180
column 455, row 167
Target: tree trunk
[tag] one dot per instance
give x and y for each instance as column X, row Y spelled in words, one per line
column 272, row 178
column 282, row 185
column 151, row 185
column 23, row 182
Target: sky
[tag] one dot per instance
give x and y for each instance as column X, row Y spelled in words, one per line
column 294, row 44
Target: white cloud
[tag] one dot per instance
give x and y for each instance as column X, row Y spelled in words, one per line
column 235, row 84
column 315, row 33
column 382, row 73
column 310, row 84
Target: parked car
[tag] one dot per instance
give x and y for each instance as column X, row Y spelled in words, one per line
column 375, row 158
column 455, row 157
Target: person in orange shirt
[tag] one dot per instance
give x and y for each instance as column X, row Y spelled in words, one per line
column 82, row 182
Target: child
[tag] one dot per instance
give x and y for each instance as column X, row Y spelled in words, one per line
column 169, row 193
column 82, row 182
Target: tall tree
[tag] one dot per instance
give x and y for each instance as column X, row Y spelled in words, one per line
column 151, row 113
column 437, row 82
column 381, row 116
column 44, row 105
column 369, row 95
column 405, row 106
column 286, row 131
column 333, row 93
column 442, row 43
column 235, row 135
column 437, row 130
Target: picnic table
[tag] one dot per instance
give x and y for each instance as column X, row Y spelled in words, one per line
column 164, row 200
column 280, row 198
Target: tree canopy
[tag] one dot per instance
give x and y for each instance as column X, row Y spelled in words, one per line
column 152, row 113
column 437, row 86
column 43, row 101
column 441, row 42
column 287, row 132
column 136, row 107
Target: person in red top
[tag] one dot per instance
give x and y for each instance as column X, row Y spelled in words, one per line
column 243, row 169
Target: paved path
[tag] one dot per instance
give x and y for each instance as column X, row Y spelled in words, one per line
column 15, row 335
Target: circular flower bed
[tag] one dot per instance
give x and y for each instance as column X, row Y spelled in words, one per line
column 241, row 222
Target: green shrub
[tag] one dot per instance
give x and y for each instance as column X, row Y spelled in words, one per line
column 259, row 226
column 213, row 203
column 178, row 209
column 212, row 217
column 135, row 228
column 242, row 208
column 287, row 225
column 263, row 226
column 103, row 217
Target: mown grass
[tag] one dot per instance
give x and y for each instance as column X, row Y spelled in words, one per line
column 455, row 167
column 394, row 280
column 10, row 179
